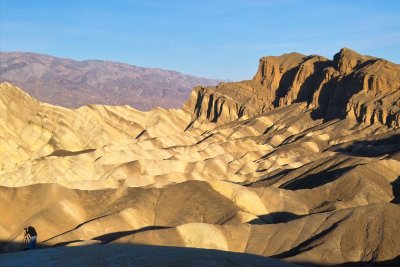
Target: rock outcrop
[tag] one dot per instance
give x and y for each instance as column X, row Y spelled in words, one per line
column 362, row 88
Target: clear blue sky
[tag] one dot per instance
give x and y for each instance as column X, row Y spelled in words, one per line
column 210, row 38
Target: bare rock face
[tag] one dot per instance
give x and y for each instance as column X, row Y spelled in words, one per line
column 351, row 85
column 347, row 60
column 72, row 84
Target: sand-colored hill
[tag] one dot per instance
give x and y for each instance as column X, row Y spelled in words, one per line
column 301, row 163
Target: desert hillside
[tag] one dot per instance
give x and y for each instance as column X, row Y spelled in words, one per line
column 300, row 163
column 72, row 84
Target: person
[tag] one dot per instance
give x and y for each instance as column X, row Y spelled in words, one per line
column 31, row 234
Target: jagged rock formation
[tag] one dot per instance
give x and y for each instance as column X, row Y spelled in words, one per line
column 72, row 84
column 363, row 88
column 301, row 163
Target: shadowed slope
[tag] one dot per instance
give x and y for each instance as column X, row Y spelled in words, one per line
column 136, row 255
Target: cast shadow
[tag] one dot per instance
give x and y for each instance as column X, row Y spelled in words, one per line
column 276, row 217
column 150, row 255
column 113, row 236
column 396, row 191
column 316, row 179
column 374, row 148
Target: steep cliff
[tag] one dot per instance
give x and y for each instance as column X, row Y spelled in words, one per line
column 353, row 86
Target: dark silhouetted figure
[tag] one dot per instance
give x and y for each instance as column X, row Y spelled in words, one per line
column 30, row 237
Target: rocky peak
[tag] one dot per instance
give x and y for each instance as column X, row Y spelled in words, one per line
column 272, row 67
column 363, row 88
column 346, row 60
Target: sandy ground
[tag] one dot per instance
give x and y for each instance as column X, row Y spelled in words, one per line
column 134, row 255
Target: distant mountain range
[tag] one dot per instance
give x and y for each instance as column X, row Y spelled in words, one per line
column 70, row 83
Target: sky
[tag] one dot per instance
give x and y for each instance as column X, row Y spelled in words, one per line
column 221, row 39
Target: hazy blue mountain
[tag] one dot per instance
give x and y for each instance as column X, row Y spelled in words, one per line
column 72, row 83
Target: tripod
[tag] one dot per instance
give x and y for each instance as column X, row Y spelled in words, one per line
column 24, row 241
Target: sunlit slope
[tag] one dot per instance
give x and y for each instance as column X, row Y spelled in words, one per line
column 33, row 130
column 300, row 163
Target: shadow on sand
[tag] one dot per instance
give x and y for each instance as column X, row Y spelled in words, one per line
column 145, row 255
column 276, row 217
column 133, row 255
column 373, row 148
